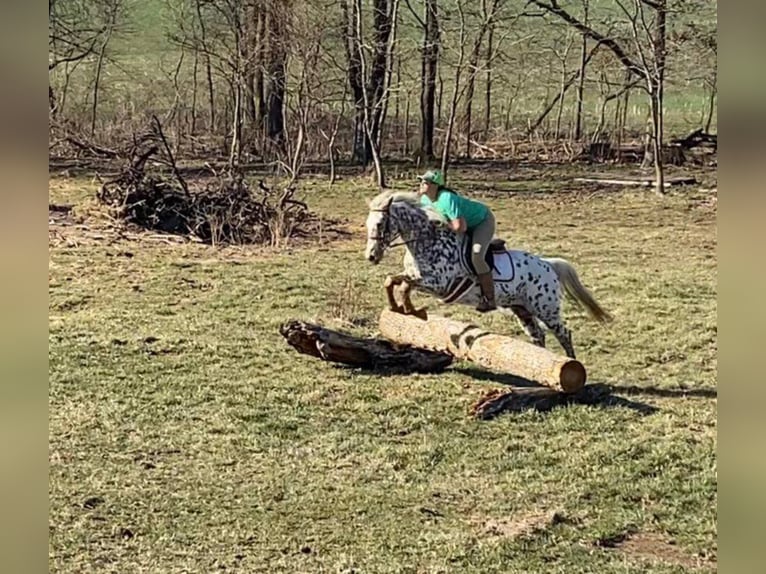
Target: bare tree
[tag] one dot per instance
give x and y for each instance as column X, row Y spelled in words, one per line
column 278, row 24
column 429, row 65
column 368, row 82
column 581, row 74
column 76, row 28
column 79, row 30
column 703, row 56
column 488, row 15
column 647, row 25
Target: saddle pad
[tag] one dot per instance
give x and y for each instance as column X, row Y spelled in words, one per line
column 503, row 271
column 503, row 267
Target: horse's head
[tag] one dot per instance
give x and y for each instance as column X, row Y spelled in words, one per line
column 380, row 232
column 394, row 214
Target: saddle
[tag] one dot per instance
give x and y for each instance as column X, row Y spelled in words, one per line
column 495, row 246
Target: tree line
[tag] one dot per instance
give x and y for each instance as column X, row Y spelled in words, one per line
column 363, row 80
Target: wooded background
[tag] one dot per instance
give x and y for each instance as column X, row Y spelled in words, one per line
column 362, row 81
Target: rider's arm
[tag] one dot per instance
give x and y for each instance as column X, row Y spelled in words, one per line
column 458, row 225
column 452, row 211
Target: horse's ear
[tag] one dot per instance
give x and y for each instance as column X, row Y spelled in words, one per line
column 390, row 201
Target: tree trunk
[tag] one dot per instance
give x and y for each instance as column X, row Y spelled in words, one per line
column 488, row 94
column 99, row 69
column 397, row 91
column 383, row 26
column 657, row 95
column 711, row 108
column 355, row 79
column 392, row 16
column 497, row 352
column 508, row 111
column 277, row 37
column 236, row 148
column 259, row 86
column 406, row 135
column 429, row 66
column 193, row 127
column 656, row 110
column 581, row 77
column 455, row 88
column 562, row 93
column 623, row 118
column 251, row 62
column 208, row 65
column 473, row 63
column 439, row 103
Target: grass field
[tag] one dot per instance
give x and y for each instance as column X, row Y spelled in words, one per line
column 186, row 436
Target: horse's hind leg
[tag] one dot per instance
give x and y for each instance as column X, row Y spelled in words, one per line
column 564, row 336
column 530, row 324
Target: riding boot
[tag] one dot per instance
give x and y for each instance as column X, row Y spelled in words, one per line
column 487, row 285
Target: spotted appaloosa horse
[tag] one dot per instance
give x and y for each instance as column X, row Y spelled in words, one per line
column 437, row 262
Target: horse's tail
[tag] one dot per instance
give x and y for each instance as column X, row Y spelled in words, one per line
column 574, row 288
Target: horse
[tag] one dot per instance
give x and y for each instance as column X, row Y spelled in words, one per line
column 437, row 261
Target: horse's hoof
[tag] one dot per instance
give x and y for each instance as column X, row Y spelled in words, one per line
column 421, row 314
column 398, row 309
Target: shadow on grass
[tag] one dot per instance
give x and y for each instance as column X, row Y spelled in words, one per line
column 524, row 394
column 514, row 381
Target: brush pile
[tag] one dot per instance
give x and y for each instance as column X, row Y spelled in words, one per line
column 224, row 210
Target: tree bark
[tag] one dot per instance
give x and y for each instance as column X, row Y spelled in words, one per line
column 496, row 352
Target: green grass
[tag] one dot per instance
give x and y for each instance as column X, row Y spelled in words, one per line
column 201, row 441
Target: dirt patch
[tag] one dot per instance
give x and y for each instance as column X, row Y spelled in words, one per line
column 520, row 526
column 654, row 547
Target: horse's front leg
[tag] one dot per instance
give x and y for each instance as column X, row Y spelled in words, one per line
column 409, row 307
column 390, row 284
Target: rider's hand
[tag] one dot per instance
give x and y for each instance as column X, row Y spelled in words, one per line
column 458, row 225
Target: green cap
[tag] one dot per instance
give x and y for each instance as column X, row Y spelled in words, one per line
column 433, row 176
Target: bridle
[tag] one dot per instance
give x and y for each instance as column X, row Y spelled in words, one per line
column 387, row 230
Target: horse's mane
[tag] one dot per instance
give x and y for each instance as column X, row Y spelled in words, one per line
column 408, row 197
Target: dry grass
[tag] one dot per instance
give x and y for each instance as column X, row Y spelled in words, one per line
column 185, row 435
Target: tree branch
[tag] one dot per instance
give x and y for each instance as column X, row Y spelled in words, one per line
column 610, row 43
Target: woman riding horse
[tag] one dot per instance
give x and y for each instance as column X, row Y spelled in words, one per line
column 464, row 216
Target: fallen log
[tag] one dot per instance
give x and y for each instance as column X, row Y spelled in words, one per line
column 490, row 350
column 541, row 399
column 642, row 182
column 375, row 354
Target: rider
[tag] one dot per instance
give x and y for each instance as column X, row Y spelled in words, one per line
column 464, row 216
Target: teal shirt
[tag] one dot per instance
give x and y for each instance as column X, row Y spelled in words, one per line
column 452, row 206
